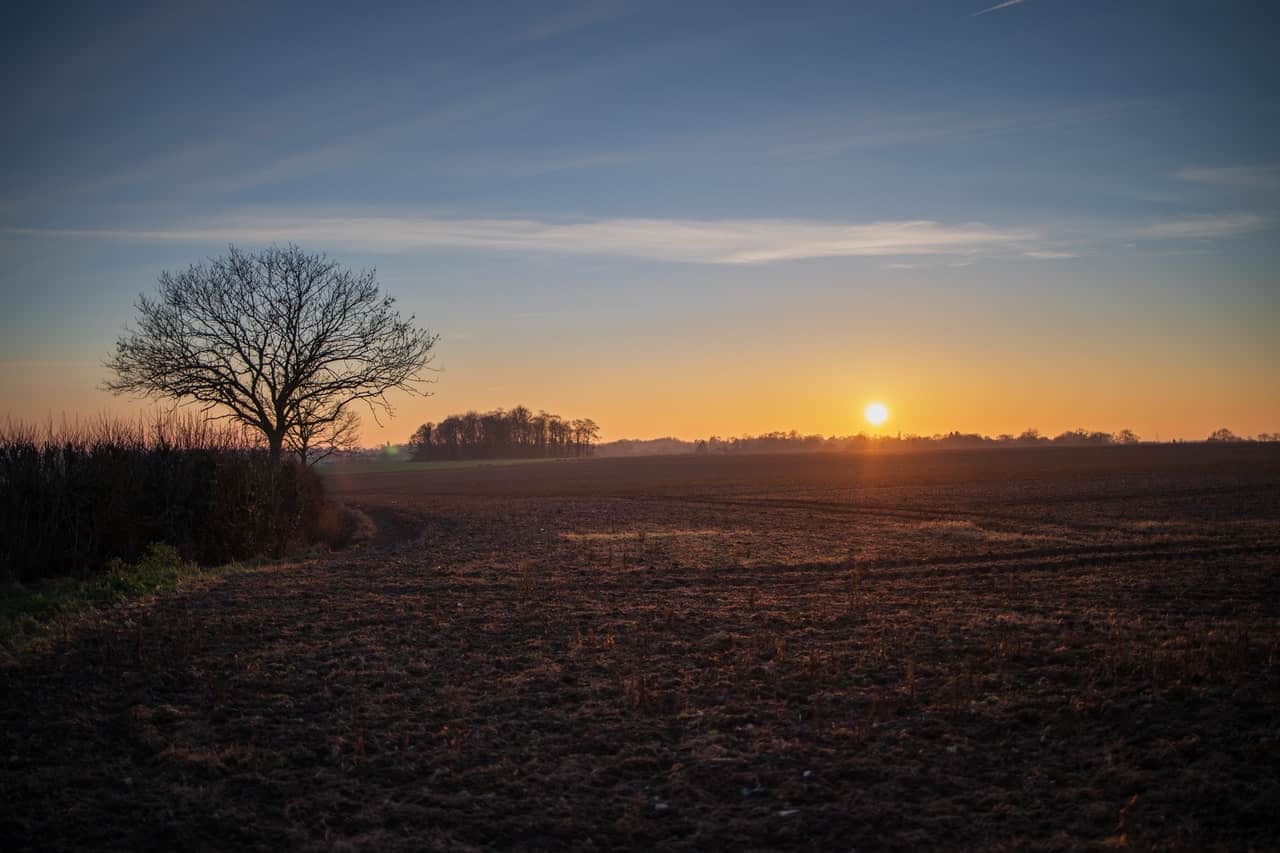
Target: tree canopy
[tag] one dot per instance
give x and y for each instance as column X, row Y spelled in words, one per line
column 283, row 341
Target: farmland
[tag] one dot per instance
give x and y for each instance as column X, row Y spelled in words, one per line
column 1040, row 648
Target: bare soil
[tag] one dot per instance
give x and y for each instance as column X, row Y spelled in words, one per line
column 1012, row 649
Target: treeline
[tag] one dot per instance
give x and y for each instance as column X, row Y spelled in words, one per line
column 779, row 442
column 794, row 442
column 783, row 442
column 516, row 433
column 75, row 497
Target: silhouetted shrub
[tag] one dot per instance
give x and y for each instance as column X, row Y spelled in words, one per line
column 74, row 498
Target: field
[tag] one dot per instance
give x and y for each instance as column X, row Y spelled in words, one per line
column 1021, row 648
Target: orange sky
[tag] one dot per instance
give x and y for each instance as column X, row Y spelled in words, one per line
column 925, row 395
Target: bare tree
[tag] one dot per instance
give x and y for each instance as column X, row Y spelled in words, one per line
column 277, row 340
column 320, row 434
column 585, row 433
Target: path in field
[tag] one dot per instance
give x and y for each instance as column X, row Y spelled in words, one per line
column 603, row 657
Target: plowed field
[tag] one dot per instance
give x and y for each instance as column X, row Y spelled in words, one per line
column 1040, row 649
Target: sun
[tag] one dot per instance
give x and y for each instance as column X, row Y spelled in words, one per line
column 876, row 413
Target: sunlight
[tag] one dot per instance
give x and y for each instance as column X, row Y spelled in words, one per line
column 876, row 413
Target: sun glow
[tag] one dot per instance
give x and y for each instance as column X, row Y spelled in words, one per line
column 876, row 413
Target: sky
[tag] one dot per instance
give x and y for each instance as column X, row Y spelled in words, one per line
column 680, row 218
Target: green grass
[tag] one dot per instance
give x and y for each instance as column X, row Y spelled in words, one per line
column 31, row 613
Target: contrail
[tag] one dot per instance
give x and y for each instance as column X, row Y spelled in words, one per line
column 1005, row 5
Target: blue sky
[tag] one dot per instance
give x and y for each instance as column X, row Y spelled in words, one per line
column 829, row 200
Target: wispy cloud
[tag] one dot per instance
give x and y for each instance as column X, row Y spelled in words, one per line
column 553, row 25
column 809, row 136
column 724, row 241
column 1206, row 227
column 901, row 244
column 1264, row 177
column 1005, row 5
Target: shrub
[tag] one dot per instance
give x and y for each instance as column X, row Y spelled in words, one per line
column 73, row 498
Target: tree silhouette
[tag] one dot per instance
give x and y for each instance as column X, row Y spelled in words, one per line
column 1126, row 436
column 281, row 340
column 500, row 434
column 1029, row 436
column 318, row 435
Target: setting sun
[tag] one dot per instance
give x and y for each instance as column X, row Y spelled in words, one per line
column 876, row 414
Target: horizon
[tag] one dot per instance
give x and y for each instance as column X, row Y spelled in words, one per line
column 682, row 221
column 62, row 424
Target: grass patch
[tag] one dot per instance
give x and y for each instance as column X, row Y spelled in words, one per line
column 32, row 612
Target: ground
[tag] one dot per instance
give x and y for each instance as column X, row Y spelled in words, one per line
column 1030, row 648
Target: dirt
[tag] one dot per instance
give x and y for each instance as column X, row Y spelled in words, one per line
column 1021, row 649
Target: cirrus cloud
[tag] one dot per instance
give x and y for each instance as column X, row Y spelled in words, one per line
column 716, row 241
column 1206, row 227
column 1266, row 177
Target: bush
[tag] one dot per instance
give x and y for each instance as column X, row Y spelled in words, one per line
column 75, row 498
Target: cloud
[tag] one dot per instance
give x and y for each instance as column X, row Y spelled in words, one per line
column 1206, row 227
column 553, row 25
column 1005, row 5
column 810, row 136
column 1049, row 255
column 723, row 241
column 1265, row 177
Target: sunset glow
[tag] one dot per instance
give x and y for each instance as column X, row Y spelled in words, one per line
column 1053, row 249
column 876, row 414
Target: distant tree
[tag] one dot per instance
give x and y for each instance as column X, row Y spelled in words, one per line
column 1030, row 436
column 1223, row 434
column 420, row 443
column 1126, row 436
column 585, row 433
column 504, row 434
column 278, row 340
column 1082, row 438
